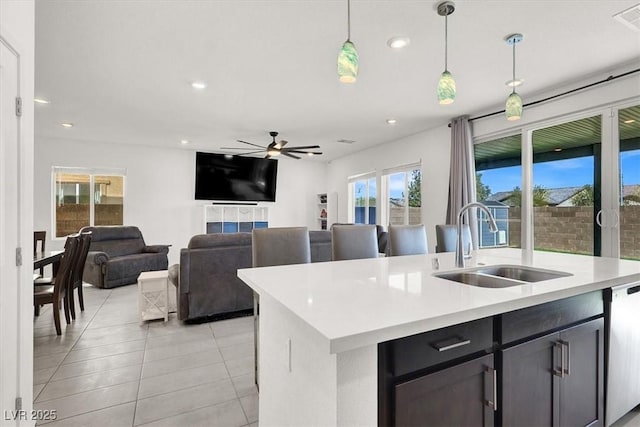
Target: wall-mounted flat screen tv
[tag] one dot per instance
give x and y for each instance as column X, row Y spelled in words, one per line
column 235, row 178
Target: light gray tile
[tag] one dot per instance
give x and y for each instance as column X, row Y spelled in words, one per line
column 232, row 326
column 97, row 365
column 178, row 339
column 74, row 385
column 173, row 351
column 115, row 416
column 178, row 402
column 244, row 385
column 114, row 330
column 49, row 361
column 174, row 326
column 97, row 341
column 250, row 406
column 36, row 390
column 41, row 376
column 100, row 398
column 237, row 351
column 237, row 367
column 186, row 361
column 253, row 424
column 182, row 379
column 235, row 339
column 104, row 350
column 226, row 414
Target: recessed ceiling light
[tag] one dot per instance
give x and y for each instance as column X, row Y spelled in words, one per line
column 199, row 85
column 391, row 121
column 40, row 101
column 514, row 83
column 184, row 141
column 629, row 121
column 66, row 125
column 398, row 42
column 310, row 154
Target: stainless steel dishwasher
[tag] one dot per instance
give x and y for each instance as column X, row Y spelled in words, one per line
column 623, row 366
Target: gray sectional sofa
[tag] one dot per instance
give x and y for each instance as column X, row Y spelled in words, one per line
column 118, row 254
column 206, row 278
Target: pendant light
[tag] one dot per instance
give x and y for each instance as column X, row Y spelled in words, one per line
column 513, row 108
column 348, row 56
column 446, row 84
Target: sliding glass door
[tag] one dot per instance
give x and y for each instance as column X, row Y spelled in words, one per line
column 628, row 216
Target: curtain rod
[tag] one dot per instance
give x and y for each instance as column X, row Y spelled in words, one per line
column 608, row 79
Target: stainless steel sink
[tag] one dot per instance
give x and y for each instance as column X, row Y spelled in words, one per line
column 501, row 276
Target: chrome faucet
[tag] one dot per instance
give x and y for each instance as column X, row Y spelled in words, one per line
column 493, row 227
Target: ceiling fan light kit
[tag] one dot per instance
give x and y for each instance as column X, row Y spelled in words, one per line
column 446, row 84
column 348, row 56
column 513, row 107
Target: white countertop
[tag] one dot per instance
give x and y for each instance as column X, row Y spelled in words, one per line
column 363, row 302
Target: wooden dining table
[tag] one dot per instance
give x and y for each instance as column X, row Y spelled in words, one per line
column 40, row 259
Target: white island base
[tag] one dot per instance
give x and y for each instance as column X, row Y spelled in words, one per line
column 302, row 383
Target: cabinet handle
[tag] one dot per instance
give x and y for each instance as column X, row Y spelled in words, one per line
column 567, row 369
column 445, row 345
column 493, row 403
column 560, row 372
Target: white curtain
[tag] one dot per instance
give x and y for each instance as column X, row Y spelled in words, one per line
column 462, row 175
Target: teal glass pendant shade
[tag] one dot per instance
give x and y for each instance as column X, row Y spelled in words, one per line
column 446, row 88
column 348, row 63
column 513, row 108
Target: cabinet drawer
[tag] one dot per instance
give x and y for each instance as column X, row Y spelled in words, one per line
column 550, row 316
column 431, row 348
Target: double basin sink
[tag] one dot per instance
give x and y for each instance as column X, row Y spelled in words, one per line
column 501, row 276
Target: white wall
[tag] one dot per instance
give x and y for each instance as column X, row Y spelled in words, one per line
column 159, row 189
column 17, row 26
column 433, row 146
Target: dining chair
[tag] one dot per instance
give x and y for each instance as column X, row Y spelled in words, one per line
column 271, row 247
column 78, row 272
column 56, row 291
column 447, row 236
column 407, row 240
column 39, row 237
column 353, row 242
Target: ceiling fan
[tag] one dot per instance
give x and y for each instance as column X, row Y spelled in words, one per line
column 276, row 148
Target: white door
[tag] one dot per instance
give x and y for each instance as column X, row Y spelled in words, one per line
column 10, row 280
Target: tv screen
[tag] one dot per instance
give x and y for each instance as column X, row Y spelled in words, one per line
column 235, row 178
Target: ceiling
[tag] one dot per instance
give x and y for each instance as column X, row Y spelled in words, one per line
column 121, row 71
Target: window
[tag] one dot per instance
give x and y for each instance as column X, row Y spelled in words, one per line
column 363, row 193
column 85, row 197
column 402, row 195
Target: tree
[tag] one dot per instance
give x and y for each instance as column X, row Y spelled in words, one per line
column 482, row 190
column 415, row 199
column 584, row 197
column 540, row 196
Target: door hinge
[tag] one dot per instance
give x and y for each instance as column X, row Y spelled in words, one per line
column 18, row 404
column 18, row 257
column 18, row 106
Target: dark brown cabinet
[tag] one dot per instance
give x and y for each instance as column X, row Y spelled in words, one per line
column 463, row 395
column 555, row 380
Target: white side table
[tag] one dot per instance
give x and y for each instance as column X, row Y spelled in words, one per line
column 153, row 293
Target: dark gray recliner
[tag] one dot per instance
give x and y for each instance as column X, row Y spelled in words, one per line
column 118, row 254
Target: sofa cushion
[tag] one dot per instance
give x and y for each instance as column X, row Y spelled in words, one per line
column 130, row 266
column 202, row 241
column 117, row 248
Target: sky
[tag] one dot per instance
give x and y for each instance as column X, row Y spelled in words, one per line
column 561, row 173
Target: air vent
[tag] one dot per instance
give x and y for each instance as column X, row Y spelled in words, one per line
column 346, row 141
column 630, row 17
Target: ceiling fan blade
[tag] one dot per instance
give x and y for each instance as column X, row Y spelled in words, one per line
column 315, row 153
column 250, row 143
column 244, row 154
column 303, row 147
column 284, row 153
column 237, row 148
column 282, row 143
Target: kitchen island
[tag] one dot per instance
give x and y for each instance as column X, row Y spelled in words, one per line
column 321, row 323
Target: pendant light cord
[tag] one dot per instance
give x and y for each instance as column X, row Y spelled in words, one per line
column 349, row 20
column 513, row 82
column 446, row 38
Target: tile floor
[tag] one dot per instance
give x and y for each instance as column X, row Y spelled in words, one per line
column 108, row 370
